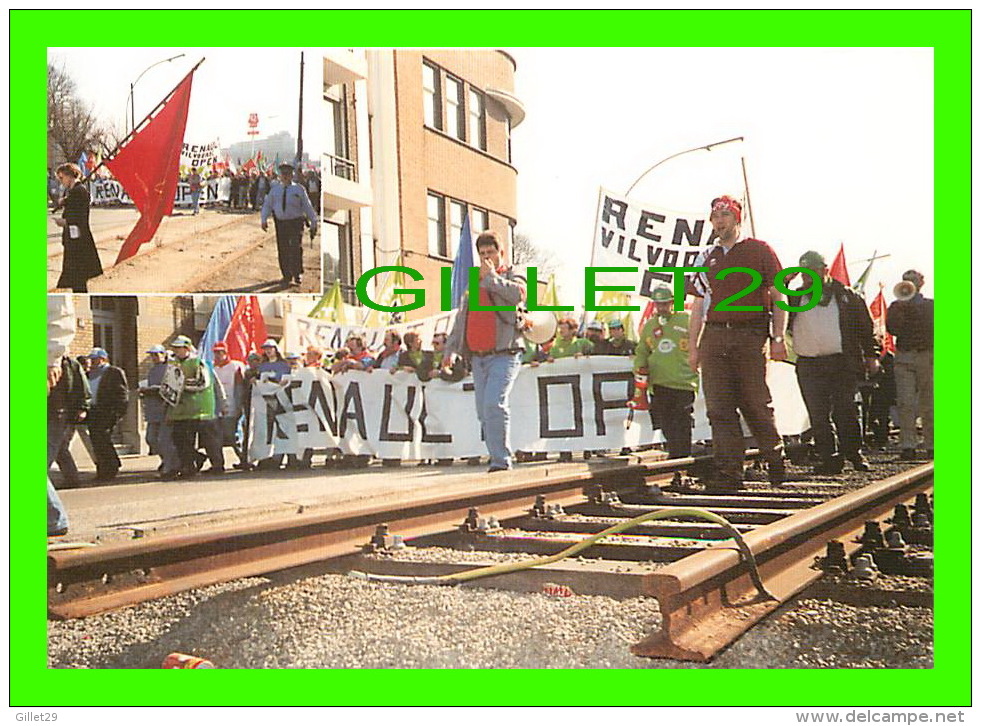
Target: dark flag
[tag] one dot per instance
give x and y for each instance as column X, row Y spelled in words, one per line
column 147, row 167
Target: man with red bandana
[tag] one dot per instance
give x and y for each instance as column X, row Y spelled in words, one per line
column 494, row 344
column 729, row 344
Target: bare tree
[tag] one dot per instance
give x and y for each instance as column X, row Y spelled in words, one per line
column 527, row 253
column 72, row 126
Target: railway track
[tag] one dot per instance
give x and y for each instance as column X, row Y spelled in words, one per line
column 704, row 585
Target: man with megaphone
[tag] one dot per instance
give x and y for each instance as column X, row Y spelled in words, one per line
column 910, row 319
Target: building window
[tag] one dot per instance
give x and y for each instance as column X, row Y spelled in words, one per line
column 479, row 221
column 432, row 102
column 338, row 148
column 507, row 133
column 478, row 120
column 437, row 225
column 456, row 123
column 457, row 212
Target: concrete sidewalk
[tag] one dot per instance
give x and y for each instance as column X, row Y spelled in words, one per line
column 138, row 504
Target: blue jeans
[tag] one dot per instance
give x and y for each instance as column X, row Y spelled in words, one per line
column 493, row 378
column 58, row 430
column 196, row 200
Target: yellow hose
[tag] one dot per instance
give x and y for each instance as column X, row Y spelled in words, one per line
column 507, row 567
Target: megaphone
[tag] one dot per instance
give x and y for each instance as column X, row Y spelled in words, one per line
column 904, row 290
column 538, row 326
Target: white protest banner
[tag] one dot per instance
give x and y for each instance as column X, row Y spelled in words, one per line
column 631, row 233
column 198, row 156
column 110, row 191
column 301, row 331
column 568, row 405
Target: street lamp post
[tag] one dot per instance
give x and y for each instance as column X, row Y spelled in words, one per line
column 132, row 106
column 707, row 147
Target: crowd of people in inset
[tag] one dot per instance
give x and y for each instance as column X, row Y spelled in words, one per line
column 243, row 190
column 246, row 190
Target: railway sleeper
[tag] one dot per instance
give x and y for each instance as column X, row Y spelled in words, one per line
column 734, row 515
column 619, row 547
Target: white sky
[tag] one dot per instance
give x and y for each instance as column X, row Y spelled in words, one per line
column 839, row 146
column 229, row 85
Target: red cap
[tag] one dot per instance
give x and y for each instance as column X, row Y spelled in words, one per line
column 726, row 203
column 220, row 346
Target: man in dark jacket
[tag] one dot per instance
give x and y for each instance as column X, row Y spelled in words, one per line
column 835, row 348
column 110, row 396
column 911, row 321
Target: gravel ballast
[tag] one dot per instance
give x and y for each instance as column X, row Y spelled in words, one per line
column 307, row 619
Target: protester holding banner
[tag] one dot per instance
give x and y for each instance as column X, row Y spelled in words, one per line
column 388, row 357
column 618, row 343
column 835, row 349
column 566, row 344
column 289, row 204
column 493, row 341
column 356, row 356
column 159, row 433
column 662, row 356
column 414, row 359
column 457, row 370
column 80, row 261
column 194, row 410
column 728, row 345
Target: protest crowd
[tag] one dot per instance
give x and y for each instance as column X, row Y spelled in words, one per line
column 861, row 369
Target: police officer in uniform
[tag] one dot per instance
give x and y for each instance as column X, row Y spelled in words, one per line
column 290, row 206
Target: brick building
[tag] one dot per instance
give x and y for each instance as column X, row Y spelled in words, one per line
column 415, row 141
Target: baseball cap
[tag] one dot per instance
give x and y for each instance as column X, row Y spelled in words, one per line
column 156, row 349
column 813, row 260
column 662, row 293
column 615, row 324
column 595, row 325
column 98, row 353
column 182, row 341
column 220, row 346
column 270, row 343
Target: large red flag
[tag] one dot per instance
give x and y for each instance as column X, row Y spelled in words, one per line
column 247, row 330
column 877, row 309
column 839, row 270
column 147, row 167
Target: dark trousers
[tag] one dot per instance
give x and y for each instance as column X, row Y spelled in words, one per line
column 185, row 441
column 734, row 380
column 671, row 411
column 828, row 387
column 289, row 244
column 101, row 424
column 209, row 438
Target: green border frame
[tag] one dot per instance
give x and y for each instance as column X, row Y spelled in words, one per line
column 947, row 684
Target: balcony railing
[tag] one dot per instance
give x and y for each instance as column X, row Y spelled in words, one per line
column 343, row 168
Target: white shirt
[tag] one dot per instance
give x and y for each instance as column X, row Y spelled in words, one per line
column 817, row 331
column 226, row 374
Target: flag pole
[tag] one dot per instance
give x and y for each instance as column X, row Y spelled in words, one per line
column 138, row 126
column 299, row 128
column 749, row 205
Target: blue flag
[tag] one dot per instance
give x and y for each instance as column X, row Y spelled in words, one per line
column 221, row 318
column 463, row 262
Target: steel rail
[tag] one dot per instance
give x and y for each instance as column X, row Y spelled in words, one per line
column 707, row 600
column 88, row 581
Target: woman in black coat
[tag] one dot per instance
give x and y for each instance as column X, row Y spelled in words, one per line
column 81, row 260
